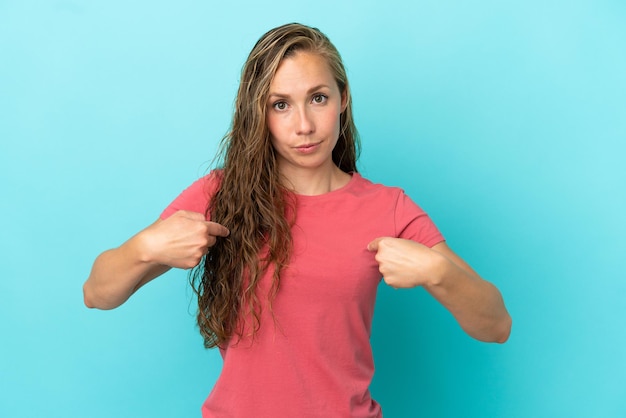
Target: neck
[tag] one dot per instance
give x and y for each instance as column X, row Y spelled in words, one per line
column 315, row 182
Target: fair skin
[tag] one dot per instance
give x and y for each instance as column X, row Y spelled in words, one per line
column 179, row 241
column 475, row 303
column 303, row 115
column 304, row 108
column 303, row 111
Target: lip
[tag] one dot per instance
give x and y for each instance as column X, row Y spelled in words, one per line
column 308, row 148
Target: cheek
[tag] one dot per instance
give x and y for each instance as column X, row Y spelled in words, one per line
column 274, row 128
column 274, row 125
column 334, row 121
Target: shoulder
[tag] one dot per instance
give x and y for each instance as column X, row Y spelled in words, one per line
column 211, row 181
column 196, row 197
column 391, row 197
column 365, row 187
column 206, row 185
column 374, row 199
column 409, row 220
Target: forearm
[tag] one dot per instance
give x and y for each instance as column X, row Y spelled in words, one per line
column 117, row 273
column 476, row 304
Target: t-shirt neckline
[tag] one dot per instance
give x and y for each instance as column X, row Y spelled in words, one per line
column 302, row 198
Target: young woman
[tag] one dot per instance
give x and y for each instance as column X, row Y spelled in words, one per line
column 290, row 244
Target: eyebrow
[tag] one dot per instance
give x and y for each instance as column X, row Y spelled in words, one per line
column 309, row 91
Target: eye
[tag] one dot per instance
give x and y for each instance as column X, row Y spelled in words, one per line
column 320, row 98
column 280, row 106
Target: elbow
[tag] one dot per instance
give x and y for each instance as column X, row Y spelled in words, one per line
column 93, row 300
column 504, row 330
column 497, row 332
column 88, row 298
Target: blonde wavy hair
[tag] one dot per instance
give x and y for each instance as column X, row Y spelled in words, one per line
column 251, row 201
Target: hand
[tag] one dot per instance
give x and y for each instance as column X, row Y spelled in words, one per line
column 181, row 240
column 404, row 263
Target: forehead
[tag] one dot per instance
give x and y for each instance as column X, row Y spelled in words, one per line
column 302, row 70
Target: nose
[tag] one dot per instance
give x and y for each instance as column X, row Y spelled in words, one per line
column 304, row 123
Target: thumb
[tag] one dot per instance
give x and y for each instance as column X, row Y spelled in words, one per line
column 217, row 230
column 373, row 246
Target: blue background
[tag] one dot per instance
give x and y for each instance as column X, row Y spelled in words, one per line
column 506, row 121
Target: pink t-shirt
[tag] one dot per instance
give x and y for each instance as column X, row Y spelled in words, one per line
column 313, row 358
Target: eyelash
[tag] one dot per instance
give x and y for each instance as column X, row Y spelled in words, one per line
column 275, row 105
column 324, row 97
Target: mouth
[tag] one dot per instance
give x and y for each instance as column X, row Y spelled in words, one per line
column 308, row 147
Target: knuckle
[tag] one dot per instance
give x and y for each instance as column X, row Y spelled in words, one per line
column 189, row 264
column 391, row 282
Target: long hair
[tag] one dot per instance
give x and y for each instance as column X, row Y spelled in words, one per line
column 251, row 201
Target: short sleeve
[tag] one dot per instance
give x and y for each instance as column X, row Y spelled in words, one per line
column 415, row 224
column 194, row 198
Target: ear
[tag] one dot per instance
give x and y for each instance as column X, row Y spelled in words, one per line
column 344, row 99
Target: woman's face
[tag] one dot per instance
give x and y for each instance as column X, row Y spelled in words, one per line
column 303, row 109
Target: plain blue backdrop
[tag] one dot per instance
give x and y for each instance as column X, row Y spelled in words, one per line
column 506, row 121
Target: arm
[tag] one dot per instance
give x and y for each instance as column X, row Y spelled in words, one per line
column 476, row 304
column 179, row 241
